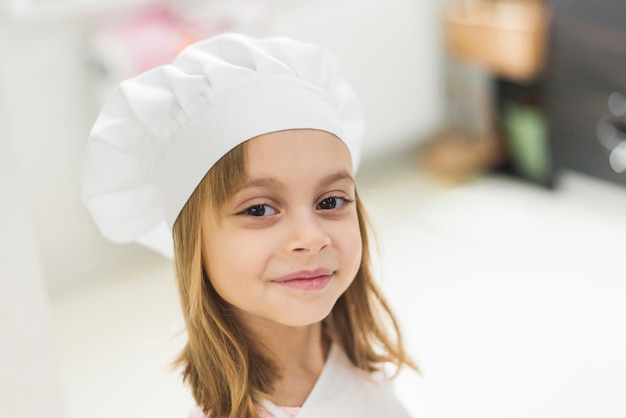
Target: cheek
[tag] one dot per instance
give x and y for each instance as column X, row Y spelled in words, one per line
column 358, row 251
column 233, row 260
column 351, row 244
column 217, row 260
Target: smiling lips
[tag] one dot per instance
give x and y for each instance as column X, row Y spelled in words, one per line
column 306, row 279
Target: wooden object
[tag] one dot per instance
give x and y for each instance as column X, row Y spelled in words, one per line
column 508, row 38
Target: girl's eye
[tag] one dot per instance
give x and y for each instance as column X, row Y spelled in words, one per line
column 332, row 202
column 259, row 211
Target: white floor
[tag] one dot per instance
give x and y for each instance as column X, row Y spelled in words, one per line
column 512, row 298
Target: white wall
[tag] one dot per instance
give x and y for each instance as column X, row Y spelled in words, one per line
column 30, row 383
column 47, row 120
column 389, row 51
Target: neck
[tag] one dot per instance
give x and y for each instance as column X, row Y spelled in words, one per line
column 299, row 352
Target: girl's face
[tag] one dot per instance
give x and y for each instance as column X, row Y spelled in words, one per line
column 287, row 244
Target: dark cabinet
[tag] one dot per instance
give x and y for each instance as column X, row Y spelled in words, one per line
column 585, row 88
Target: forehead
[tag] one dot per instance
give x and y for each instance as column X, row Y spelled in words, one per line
column 298, row 152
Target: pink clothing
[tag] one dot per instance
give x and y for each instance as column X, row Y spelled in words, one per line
column 196, row 413
column 290, row 411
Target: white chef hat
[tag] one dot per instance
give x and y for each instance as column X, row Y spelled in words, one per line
column 160, row 132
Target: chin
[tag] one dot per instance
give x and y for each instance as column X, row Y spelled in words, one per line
column 298, row 318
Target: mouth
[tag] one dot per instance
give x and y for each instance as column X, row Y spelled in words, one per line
column 306, row 279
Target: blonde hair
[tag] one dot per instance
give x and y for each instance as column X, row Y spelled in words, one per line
column 224, row 368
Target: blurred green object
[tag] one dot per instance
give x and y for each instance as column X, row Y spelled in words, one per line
column 526, row 132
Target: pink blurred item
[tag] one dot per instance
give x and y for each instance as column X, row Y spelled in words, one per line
column 151, row 38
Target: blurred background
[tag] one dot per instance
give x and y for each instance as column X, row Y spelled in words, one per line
column 494, row 170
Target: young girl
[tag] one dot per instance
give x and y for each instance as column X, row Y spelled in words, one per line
column 244, row 151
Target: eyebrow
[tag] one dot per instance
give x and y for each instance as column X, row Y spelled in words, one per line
column 271, row 182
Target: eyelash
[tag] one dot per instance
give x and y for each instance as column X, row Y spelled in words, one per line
column 249, row 211
column 344, row 201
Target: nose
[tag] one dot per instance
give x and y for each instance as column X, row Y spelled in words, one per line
column 307, row 234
